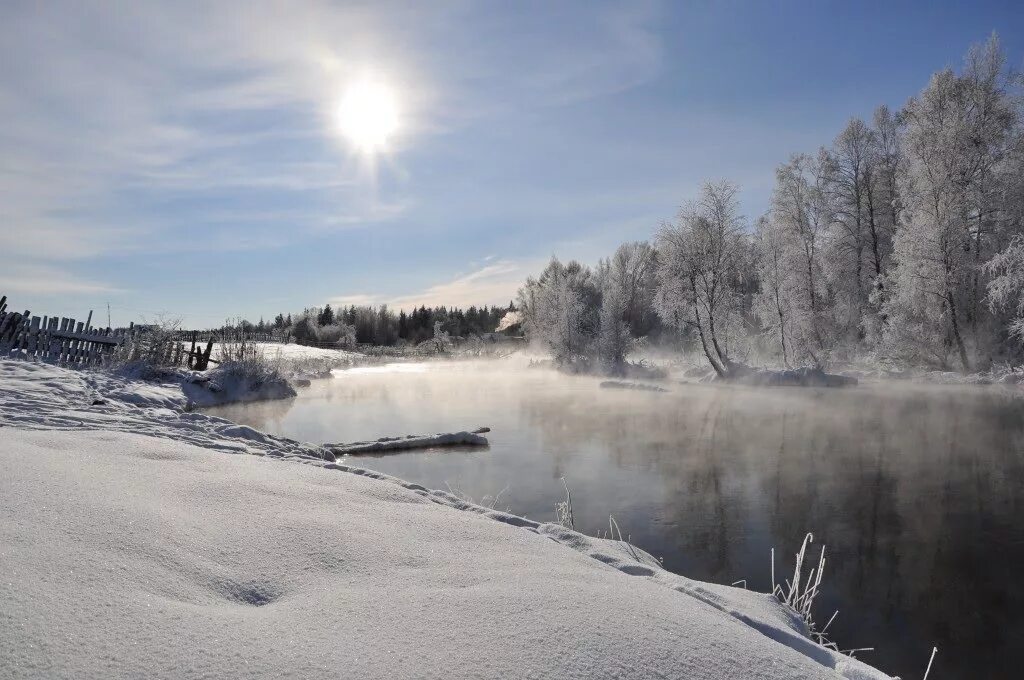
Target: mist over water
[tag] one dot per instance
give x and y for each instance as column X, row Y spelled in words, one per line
column 917, row 491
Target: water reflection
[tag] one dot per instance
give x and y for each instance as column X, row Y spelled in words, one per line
column 916, row 491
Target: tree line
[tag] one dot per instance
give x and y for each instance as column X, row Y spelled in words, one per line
column 377, row 325
column 901, row 241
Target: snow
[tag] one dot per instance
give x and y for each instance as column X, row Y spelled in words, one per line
column 130, row 548
column 234, row 382
column 291, row 351
column 412, row 441
column 798, row 377
column 299, row 363
column 626, row 385
column 1009, row 376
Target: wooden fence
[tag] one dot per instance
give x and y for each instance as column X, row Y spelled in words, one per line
column 230, row 336
column 55, row 339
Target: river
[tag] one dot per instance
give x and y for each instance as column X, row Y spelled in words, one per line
column 917, row 491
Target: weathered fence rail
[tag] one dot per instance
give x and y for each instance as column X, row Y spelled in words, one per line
column 56, row 339
column 229, row 336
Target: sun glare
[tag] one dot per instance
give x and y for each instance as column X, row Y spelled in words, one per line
column 368, row 116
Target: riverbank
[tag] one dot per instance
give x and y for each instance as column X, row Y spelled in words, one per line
column 133, row 548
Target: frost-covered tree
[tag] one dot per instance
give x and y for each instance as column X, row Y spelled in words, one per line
column 773, row 302
column 700, row 260
column 340, row 334
column 613, row 334
column 585, row 317
column 304, row 330
column 1006, row 289
column 885, row 204
column 958, row 144
column 627, row 282
column 802, row 210
column 560, row 310
column 632, row 269
column 901, row 240
column 853, row 255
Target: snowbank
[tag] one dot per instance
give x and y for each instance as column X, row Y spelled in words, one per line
column 47, row 397
column 1009, row 376
column 234, row 382
column 128, row 549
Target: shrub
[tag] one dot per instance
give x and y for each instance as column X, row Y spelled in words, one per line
column 150, row 353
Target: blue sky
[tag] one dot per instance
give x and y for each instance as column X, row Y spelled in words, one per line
column 182, row 158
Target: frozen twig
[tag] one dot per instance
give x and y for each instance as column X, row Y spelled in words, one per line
column 563, row 510
column 930, row 659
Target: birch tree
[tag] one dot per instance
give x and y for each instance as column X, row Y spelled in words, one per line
column 772, row 304
column 1006, row 289
column 633, row 270
column 959, row 134
column 700, row 258
column 853, row 253
column 800, row 207
column 559, row 310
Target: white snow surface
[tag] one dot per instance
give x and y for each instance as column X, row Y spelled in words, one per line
column 129, row 547
column 274, row 350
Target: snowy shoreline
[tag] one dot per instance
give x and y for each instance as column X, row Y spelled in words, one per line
column 130, row 549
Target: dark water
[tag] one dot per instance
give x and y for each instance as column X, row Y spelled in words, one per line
column 918, row 492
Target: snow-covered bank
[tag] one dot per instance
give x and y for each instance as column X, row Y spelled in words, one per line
column 1012, row 377
column 799, row 377
column 842, row 375
column 298, row 363
column 294, row 352
column 248, row 372
column 233, row 382
column 130, row 549
column 47, row 397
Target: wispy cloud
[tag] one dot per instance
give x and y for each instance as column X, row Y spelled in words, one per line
column 493, row 284
column 43, row 280
column 357, row 299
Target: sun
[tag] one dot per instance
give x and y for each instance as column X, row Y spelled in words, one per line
column 367, row 115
